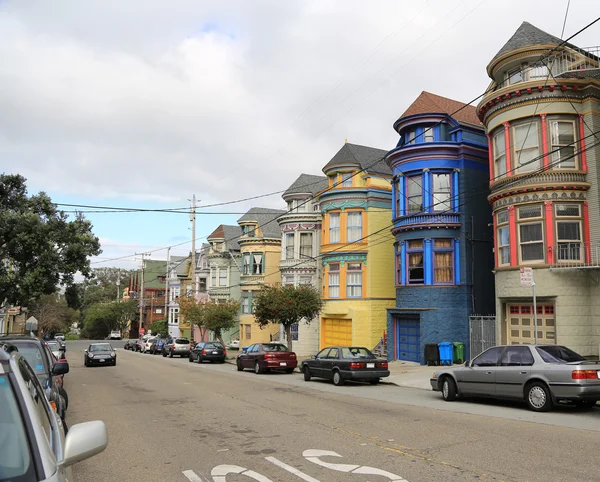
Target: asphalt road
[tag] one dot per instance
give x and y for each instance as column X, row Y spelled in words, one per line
column 171, row 420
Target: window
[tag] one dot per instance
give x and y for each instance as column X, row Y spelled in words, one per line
column 158, row 311
column 323, row 353
column 222, row 276
column 288, row 279
column 334, row 228
column 246, row 264
column 290, row 206
column 414, row 194
column 409, row 136
column 558, row 354
column 245, row 305
column 415, row 262
column 443, row 261
column 202, row 285
column 213, row 277
column 289, row 245
column 316, row 207
column 531, row 234
column 428, row 134
column 568, row 232
column 346, row 179
column 294, row 331
column 488, row 358
column 354, row 280
column 257, row 264
column 515, row 76
column 503, row 237
column 305, row 280
column 516, row 356
column 334, row 280
column 354, row 226
column 333, row 353
column 527, row 149
column 248, row 329
column 499, row 151
column 442, row 192
column 562, row 135
column 306, row 245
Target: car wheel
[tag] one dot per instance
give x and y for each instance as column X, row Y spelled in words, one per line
column 448, row 389
column 164, row 353
column 337, row 378
column 85, row 362
column 375, row 381
column 289, row 370
column 170, row 354
column 257, row 368
column 114, row 363
column 307, row 375
column 239, row 366
column 63, row 394
column 190, row 358
column 538, row 397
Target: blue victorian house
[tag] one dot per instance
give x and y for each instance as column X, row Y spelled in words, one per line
column 441, row 223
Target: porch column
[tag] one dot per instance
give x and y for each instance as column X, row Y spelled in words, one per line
column 428, row 261
column 584, row 166
column 545, row 141
column 457, row 262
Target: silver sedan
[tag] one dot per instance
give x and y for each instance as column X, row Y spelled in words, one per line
column 541, row 375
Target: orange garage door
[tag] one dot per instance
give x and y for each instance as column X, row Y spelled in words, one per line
column 336, row 332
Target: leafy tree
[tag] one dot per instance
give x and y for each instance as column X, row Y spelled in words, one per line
column 209, row 315
column 102, row 318
column 40, row 246
column 160, row 327
column 53, row 314
column 286, row 305
column 194, row 313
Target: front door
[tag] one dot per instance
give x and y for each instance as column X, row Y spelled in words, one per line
column 513, row 372
column 408, row 339
column 480, row 376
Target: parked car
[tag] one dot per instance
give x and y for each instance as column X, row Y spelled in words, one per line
column 234, row 345
column 57, row 349
column 35, row 446
column 115, row 335
column 139, row 344
column 541, row 375
column 208, row 350
column 59, row 336
column 157, row 346
column 263, row 357
column 147, row 344
column 49, row 373
column 130, row 345
column 176, row 346
column 100, row 354
column 342, row 363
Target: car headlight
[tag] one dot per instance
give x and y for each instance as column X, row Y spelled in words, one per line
column 91, row 355
column 113, row 354
column 435, row 375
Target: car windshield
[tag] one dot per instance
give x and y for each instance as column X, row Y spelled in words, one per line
column 15, row 458
column 558, row 354
column 100, row 347
column 33, row 354
column 181, row 341
column 356, row 352
column 54, row 346
column 274, row 348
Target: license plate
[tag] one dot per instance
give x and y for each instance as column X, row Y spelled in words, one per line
column 215, row 352
column 100, row 360
column 370, row 365
column 282, row 364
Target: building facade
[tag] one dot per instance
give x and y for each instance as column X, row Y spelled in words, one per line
column 356, row 248
column 154, row 292
column 443, row 242
column 301, row 241
column 542, row 114
column 260, row 247
column 177, row 273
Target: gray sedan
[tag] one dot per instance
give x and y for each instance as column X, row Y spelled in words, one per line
column 542, row 375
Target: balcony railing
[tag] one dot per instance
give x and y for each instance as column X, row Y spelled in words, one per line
column 576, row 256
column 252, row 278
column 304, row 263
column 429, row 218
column 546, row 177
column 568, row 62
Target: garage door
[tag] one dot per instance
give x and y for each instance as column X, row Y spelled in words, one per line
column 408, row 339
column 336, row 332
column 520, row 324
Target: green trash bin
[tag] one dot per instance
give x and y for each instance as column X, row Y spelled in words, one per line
column 459, row 352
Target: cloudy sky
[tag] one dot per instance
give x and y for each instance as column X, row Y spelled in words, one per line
column 145, row 102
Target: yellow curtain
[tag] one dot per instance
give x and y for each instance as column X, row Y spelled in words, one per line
column 443, row 268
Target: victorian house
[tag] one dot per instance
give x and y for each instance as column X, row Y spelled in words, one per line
column 441, row 218
column 177, row 274
column 542, row 112
column 260, row 248
column 199, row 276
column 356, row 247
column 300, row 241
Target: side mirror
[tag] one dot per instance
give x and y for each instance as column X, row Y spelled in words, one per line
column 314, row 357
column 84, row 440
column 85, row 350
column 61, row 368
column 468, row 363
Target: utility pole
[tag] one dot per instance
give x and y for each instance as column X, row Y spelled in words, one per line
column 193, row 266
column 119, row 285
column 167, row 287
column 141, row 295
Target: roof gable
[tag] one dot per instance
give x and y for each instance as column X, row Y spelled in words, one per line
column 370, row 159
column 428, row 103
column 307, row 184
column 265, row 218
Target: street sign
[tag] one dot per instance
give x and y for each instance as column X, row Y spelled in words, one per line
column 142, row 331
column 31, row 324
column 526, row 276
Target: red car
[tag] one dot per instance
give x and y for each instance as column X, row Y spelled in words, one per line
column 263, row 357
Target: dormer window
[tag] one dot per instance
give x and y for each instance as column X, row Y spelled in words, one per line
column 428, row 134
column 290, row 206
column 410, row 136
column 515, row 76
column 249, row 230
column 346, row 179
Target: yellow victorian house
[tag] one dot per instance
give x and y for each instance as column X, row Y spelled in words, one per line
column 357, row 251
column 260, row 248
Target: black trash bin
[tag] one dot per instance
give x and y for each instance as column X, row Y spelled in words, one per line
column 432, row 354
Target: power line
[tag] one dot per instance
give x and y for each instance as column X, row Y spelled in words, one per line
column 565, row 21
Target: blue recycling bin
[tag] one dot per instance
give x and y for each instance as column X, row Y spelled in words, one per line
column 446, row 353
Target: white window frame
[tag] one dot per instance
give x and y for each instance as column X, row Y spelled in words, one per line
column 302, row 253
column 347, row 179
column 354, row 231
column 521, row 146
column 333, row 280
column 428, row 134
column 335, row 229
column 499, row 154
column 413, row 180
column 555, row 144
column 290, row 248
column 354, row 273
column 438, row 204
column 509, row 75
column 530, row 221
column 502, row 248
column 225, row 271
column 569, row 219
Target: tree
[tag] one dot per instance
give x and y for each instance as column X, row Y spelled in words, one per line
column 194, row 313
column 53, row 314
column 40, row 247
column 160, row 327
column 210, row 315
column 102, row 318
column 287, row 305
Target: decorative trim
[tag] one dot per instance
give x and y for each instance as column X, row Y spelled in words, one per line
column 428, row 261
column 509, row 170
column 586, row 232
column 300, row 227
column 545, row 141
column 536, row 197
column 343, row 205
column 343, row 258
column 584, row 166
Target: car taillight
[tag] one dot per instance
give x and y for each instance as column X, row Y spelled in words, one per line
column 224, row 352
column 174, row 345
column 204, row 352
column 269, row 355
column 53, row 405
column 357, row 365
column 584, row 375
column 292, row 355
column 382, row 364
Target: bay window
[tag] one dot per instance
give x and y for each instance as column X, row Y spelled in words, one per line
column 257, row 263
column 354, row 280
column 399, row 265
column 354, row 226
column 334, row 280
column 568, row 232
column 246, row 264
column 416, row 272
column 213, row 277
column 442, row 192
column 398, row 194
column 306, row 245
column 334, row 228
column 526, row 147
column 443, row 261
column 515, row 76
column 289, row 245
column 245, row 304
column 562, row 138
column 499, row 152
column 503, row 236
column 414, row 194
column 346, row 179
column 531, row 233
column 222, row 276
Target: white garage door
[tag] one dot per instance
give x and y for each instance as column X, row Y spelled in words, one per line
column 520, row 324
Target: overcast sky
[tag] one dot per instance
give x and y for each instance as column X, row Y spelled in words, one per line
column 143, row 103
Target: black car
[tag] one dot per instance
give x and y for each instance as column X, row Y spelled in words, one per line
column 138, row 345
column 100, row 354
column 130, row 345
column 49, row 373
column 208, row 350
column 341, row 363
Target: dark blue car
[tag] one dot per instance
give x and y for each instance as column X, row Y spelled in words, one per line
column 157, row 346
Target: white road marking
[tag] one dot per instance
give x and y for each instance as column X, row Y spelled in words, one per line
column 191, row 476
column 290, row 469
column 220, row 472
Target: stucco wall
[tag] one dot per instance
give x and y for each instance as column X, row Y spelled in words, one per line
column 380, row 257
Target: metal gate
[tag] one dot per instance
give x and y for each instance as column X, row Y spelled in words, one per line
column 482, row 333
